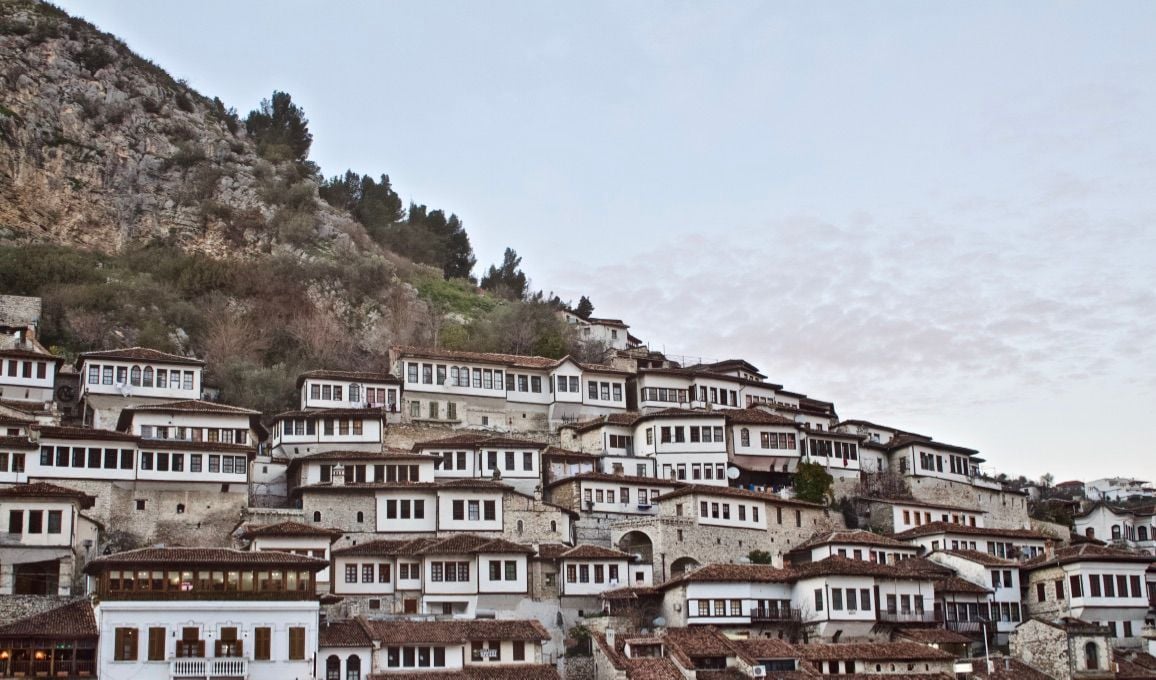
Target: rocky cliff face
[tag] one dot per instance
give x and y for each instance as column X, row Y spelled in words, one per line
column 100, row 148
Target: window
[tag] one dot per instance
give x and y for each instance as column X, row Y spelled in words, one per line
column 1092, row 656
column 35, row 521
column 296, row 643
column 262, row 643
column 837, row 599
column 351, row 573
column 368, row 573
column 1041, row 593
column 745, row 437
column 818, row 599
column 473, row 508
column 125, row 644
column 54, row 520
column 15, row 521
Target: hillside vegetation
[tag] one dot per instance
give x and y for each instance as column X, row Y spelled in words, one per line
column 144, row 212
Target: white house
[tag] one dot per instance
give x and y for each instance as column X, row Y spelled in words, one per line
column 731, row 596
column 323, row 389
column 835, row 451
column 765, row 447
column 297, row 539
column 43, row 538
column 1090, row 583
column 1001, row 603
column 344, row 650
column 1015, row 544
column 599, row 492
column 854, row 544
column 28, row 375
column 610, row 333
column 918, row 456
column 1118, row 489
column 491, row 648
column 207, row 612
column 516, row 462
column 1134, row 528
column 686, row 445
column 113, row 379
column 299, row 433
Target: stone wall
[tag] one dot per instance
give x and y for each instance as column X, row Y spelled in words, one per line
column 579, row 668
column 173, row 514
column 1051, row 607
column 1058, row 653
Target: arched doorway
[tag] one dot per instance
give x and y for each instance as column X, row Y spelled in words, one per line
column 333, row 667
column 1092, row 656
column 637, row 543
column 353, row 667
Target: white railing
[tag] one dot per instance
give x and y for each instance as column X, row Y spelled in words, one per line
column 224, row 667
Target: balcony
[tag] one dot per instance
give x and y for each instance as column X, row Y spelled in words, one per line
column 909, row 616
column 971, row 628
column 775, row 615
column 224, row 667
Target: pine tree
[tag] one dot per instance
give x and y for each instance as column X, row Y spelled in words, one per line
column 508, row 281
column 585, row 308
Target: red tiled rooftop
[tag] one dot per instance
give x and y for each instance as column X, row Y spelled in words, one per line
column 142, row 354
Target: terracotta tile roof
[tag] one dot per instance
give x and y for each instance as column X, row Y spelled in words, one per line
column 872, row 651
column 46, row 490
column 515, row 360
column 915, row 503
column 736, row 492
column 680, row 413
column 701, row 373
column 478, row 441
column 290, row 529
column 623, row 419
column 733, row 573
column 963, row 529
column 955, row 584
column 754, row 416
column 1006, row 668
column 343, row 634
column 851, row 537
column 911, row 568
column 623, row 479
column 16, row 444
column 29, row 354
column 651, row 669
column 384, row 548
column 73, row 620
column 631, row 593
column 1133, row 664
column 203, row 556
column 463, row 544
column 455, row 631
column 550, row 551
column 868, row 423
column 330, row 413
column 142, row 354
column 192, row 406
column 981, row 558
column 1086, row 552
column 7, row 419
column 85, row 433
column 352, row 376
column 1076, row 626
column 593, row 552
column 559, row 452
column 901, row 440
column 698, row 642
column 476, row 484
column 940, row 636
column 383, row 456
column 767, row 648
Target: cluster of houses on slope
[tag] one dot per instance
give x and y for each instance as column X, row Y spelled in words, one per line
column 499, row 503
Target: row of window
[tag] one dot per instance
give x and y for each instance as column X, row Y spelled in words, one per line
column 24, row 369
column 932, row 462
column 474, row 510
column 228, row 643
column 358, row 474
column 1002, row 578
column 769, row 440
column 825, row 448
column 196, row 434
column 164, row 462
column 1002, row 612
column 459, row 460
column 11, row 462
column 697, row 471
column 664, row 394
column 375, row 396
column 434, row 410
column 165, row 378
column 36, row 524
column 449, row 572
column 679, row 434
column 921, row 518
column 1099, row 585
column 723, row 511
column 186, row 581
column 764, row 608
column 370, row 573
column 329, row 426
column 715, row 395
column 580, row 573
column 623, row 495
column 621, row 441
column 405, row 508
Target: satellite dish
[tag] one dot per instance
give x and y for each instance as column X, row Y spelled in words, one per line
column 733, row 473
column 659, row 622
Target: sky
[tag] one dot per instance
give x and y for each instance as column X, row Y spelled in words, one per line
column 940, row 216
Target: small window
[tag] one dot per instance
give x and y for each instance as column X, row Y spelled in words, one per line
column 140, row 504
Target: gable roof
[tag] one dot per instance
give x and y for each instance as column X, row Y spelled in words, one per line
column 963, row 529
column 852, row 537
column 1085, row 552
column 343, row 634
column 146, row 354
column 986, row 559
column 46, row 490
column 384, row 548
column 192, row 406
column 467, row 439
column 874, row 651
column 203, row 556
column 472, row 544
column 352, row 376
column 456, row 631
column 955, row 584
column 901, row 440
column 73, row 620
column 732, row 573
column 593, row 552
column 755, row 416
column 736, row 492
column 290, row 529
column 83, row 433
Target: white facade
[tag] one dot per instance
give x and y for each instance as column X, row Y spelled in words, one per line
column 299, row 433
column 685, row 447
column 140, row 372
column 208, row 619
column 1117, row 525
column 1117, row 489
column 27, row 376
column 349, row 390
column 906, row 516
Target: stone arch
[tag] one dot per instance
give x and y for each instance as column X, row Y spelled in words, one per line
column 637, row 542
column 682, row 565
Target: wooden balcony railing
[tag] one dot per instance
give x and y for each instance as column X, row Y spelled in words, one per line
column 225, row 667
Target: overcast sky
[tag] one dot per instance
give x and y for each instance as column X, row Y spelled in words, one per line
column 938, row 215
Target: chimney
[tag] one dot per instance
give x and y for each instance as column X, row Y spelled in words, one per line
column 337, row 475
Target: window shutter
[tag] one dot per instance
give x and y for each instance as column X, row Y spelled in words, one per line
column 296, row 643
column 156, row 644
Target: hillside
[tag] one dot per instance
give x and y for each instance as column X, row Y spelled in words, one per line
column 144, row 212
